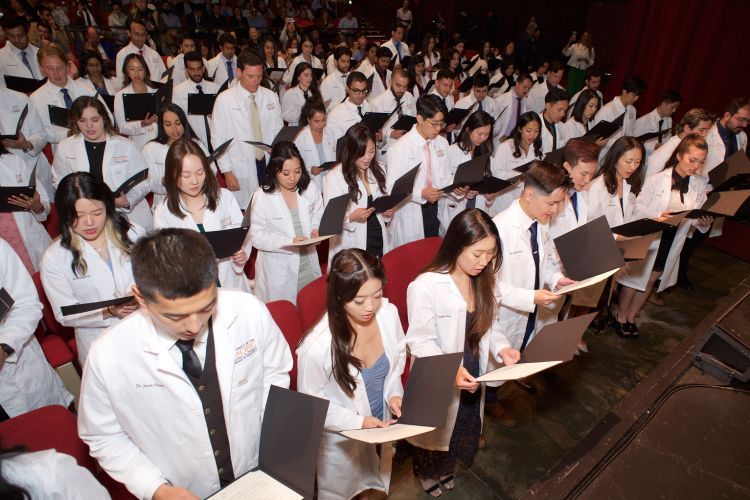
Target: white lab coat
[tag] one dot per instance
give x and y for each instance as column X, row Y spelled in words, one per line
column 652, row 201
column 579, row 51
column 122, row 160
column 11, row 63
column 502, row 164
column 450, row 205
column 64, row 288
column 600, row 202
column 111, row 84
column 717, row 149
column 271, row 231
column 217, row 68
column 52, row 475
column 153, row 60
column 659, row 157
column 610, row 112
column 49, row 94
column 565, row 219
column 14, row 172
column 226, row 216
column 386, row 103
column 378, row 87
column 231, row 120
column 133, row 129
column 289, row 73
column 179, row 74
column 333, row 89
column 515, row 280
column 547, row 145
column 291, row 104
column 347, row 467
column 27, row 381
column 141, row 416
column 391, row 45
column 537, row 95
column 342, row 116
column 649, row 123
column 504, row 104
column 155, row 155
column 437, row 325
column 354, row 234
column 408, row 152
column 309, row 152
column 572, row 129
column 180, row 97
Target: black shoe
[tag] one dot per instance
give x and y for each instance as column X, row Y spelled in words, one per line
column 633, row 329
column 621, row 329
column 684, row 283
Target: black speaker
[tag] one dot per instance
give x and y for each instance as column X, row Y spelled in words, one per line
column 722, row 355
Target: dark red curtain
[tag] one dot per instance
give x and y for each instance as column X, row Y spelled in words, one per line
column 695, row 46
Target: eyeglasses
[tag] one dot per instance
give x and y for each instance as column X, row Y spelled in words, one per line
column 435, row 124
column 741, row 119
column 359, row 91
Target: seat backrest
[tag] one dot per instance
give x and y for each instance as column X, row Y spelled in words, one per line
column 402, row 265
column 50, row 225
column 48, row 317
column 286, row 317
column 311, row 302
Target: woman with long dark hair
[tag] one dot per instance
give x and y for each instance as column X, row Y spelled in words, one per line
column 457, row 286
column 195, row 201
column 305, row 56
column 93, row 145
column 94, row 71
column 354, row 358
column 418, row 78
column 303, row 88
column 524, row 146
column 173, row 126
column 286, row 209
column 316, row 142
column 90, row 261
column 582, row 117
column 136, row 80
column 362, row 177
column 474, row 140
column 430, row 55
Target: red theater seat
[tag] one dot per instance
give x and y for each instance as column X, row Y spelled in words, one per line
column 287, row 318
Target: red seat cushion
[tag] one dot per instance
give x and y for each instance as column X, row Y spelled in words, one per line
column 311, row 302
column 287, row 318
column 56, row 350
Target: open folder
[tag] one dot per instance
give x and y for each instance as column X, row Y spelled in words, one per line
column 456, row 116
column 6, row 302
column 375, row 121
column 201, row 104
column 640, row 227
column 589, row 250
column 7, row 192
column 727, row 173
column 725, row 203
column 637, row 247
column 288, row 453
column 332, row 221
column 23, row 85
column 402, row 188
column 19, row 125
column 605, row 129
column 554, row 344
column 424, row 407
column 310, row 241
column 58, row 116
column 556, row 157
column 129, row 184
column 226, row 242
column 137, row 106
column 93, row 306
column 469, row 173
column 405, row 123
column 285, row 134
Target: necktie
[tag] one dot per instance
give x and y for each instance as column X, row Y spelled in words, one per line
column 531, row 323
column 661, row 124
column 518, row 111
column 25, row 61
column 398, row 49
column 480, row 106
column 359, row 110
column 66, row 98
column 205, row 124
column 255, row 122
column 191, row 365
column 399, row 110
column 140, row 51
column 230, row 71
column 574, row 202
column 551, row 128
column 427, row 165
column 681, row 184
column 306, row 95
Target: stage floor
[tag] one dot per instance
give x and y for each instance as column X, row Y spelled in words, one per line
column 575, row 397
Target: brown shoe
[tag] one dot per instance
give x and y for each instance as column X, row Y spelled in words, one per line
column 496, row 411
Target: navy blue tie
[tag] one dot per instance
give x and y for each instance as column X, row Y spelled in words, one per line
column 531, row 322
column 25, row 61
column 230, row 71
column 574, row 202
column 66, row 98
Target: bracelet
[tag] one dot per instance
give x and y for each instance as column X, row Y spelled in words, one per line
column 109, row 310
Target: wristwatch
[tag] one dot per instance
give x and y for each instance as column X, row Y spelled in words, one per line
column 8, row 349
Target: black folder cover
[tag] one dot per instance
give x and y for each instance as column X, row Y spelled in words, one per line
column 429, row 390
column 589, row 250
column 226, row 242
column 93, row 306
column 332, row 221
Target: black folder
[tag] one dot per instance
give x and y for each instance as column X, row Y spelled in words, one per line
column 201, row 104
column 288, row 452
column 369, row 81
column 19, row 125
column 605, row 129
column 168, row 73
column 318, row 73
column 429, row 86
column 405, row 61
column 219, row 152
column 466, row 84
column 729, row 172
column 493, row 64
column 429, row 390
column 332, row 221
column 651, row 135
column 23, row 85
column 109, row 100
column 489, row 185
column 129, row 184
column 6, row 302
column 8, row 191
column 328, row 165
column 523, row 168
column 456, row 116
column 58, row 116
column 402, row 188
column 375, row 121
column 589, row 250
column 226, row 242
column 406, row 123
column 556, row 157
column 640, row 227
column 557, row 341
column 93, row 306
column 288, row 133
column 469, row 173
column 722, row 204
column 137, row 106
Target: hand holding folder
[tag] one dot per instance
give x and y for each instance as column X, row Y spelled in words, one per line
column 402, row 188
column 469, row 173
column 226, row 242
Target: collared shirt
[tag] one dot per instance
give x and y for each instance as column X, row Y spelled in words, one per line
column 729, row 139
column 30, row 56
column 170, row 344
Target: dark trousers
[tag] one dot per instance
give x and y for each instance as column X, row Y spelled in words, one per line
column 687, row 251
column 430, row 221
column 260, row 167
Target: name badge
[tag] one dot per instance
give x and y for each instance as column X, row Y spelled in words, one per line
column 226, row 222
column 440, row 153
column 271, row 106
column 245, row 350
column 19, row 179
column 120, row 159
column 15, row 109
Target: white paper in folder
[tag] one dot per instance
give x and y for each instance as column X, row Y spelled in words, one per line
column 256, row 485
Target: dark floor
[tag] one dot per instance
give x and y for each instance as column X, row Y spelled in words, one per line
column 575, row 396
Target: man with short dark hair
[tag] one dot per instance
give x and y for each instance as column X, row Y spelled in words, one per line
column 555, row 73
column 658, row 121
column 399, row 49
column 555, row 107
column 172, row 398
column 511, row 105
column 728, row 136
column 221, row 67
column 353, row 109
column 138, row 37
column 194, row 68
column 398, row 101
column 477, row 99
column 179, row 75
column 333, row 87
column 593, row 82
column 381, row 77
column 623, row 103
column 18, row 56
column 245, row 112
